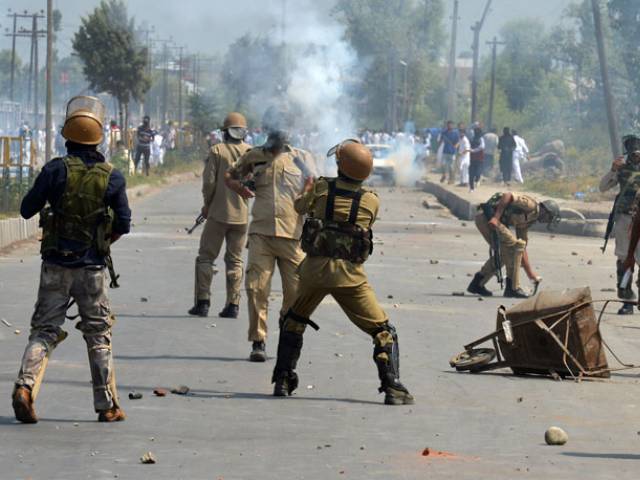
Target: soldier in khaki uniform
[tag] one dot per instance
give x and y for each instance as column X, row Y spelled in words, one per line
column 270, row 174
column 87, row 211
column 227, row 217
column 504, row 210
column 337, row 239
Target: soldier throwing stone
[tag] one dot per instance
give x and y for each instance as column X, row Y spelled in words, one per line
column 88, row 210
column 337, row 239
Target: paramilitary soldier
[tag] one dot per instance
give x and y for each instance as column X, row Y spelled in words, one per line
column 504, row 210
column 270, row 174
column 337, row 238
column 626, row 174
column 227, row 217
column 87, row 211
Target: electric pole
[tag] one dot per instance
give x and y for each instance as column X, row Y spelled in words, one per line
column 476, row 54
column 494, row 53
column 13, row 54
column 606, row 86
column 48, row 122
column 451, row 79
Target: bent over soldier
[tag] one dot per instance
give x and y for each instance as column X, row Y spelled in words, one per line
column 501, row 211
column 227, row 216
column 626, row 174
column 337, row 238
column 87, row 211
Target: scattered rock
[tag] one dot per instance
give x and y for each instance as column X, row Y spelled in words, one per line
column 389, row 296
column 5, row 322
column 339, row 355
column 160, row 392
column 362, row 447
column 607, row 289
column 458, row 236
column 135, row 395
column 411, row 216
column 181, row 390
column 426, row 452
column 520, row 399
column 440, row 278
column 480, row 299
column 555, row 436
column 463, row 224
column 148, row 458
column 469, row 275
column 434, row 262
column 458, row 294
column 574, row 254
column 138, row 250
column 395, row 305
column 144, row 299
column 17, row 332
column 213, row 325
column 589, row 262
column 310, row 387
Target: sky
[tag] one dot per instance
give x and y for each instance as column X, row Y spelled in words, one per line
column 209, row 26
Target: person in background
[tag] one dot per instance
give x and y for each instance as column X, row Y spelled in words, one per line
column 450, row 138
column 476, row 158
column 144, row 137
column 464, row 158
column 490, row 148
column 520, row 154
column 506, row 145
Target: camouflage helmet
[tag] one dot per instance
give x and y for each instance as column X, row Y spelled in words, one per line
column 553, row 211
column 84, row 121
column 354, row 159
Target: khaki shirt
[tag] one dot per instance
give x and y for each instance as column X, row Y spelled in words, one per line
column 521, row 213
column 332, row 272
column 225, row 205
column 308, row 159
column 278, row 182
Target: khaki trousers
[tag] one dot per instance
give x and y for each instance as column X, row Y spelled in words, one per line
column 88, row 287
column 511, row 251
column 264, row 253
column 213, row 234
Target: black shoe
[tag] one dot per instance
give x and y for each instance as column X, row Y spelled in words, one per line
column 510, row 292
column 200, row 309
column 230, row 311
column 285, row 384
column 397, row 394
column 626, row 309
column 258, row 353
column 477, row 288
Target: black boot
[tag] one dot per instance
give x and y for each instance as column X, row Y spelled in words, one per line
column 229, row 311
column 200, row 309
column 258, row 353
column 624, row 293
column 284, row 375
column 386, row 355
column 626, row 309
column 477, row 288
column 510, row 292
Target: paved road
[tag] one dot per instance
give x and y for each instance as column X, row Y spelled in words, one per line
column 491, row 425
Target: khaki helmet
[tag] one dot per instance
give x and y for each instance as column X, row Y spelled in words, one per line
column 552, row 212
column 235, row 125
column 84, row 121
column 354, row 159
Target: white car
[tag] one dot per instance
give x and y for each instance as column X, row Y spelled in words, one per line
column 384, row 164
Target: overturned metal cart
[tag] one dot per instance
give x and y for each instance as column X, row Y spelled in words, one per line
column 553, row 333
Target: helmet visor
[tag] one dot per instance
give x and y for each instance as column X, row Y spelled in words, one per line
column 237, row 133
column 333, row 150
column 86, row 105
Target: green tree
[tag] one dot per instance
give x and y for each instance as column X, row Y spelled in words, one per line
column 114, row 62
column 204, row 113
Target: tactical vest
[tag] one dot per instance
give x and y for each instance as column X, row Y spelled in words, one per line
column 80, row 216
column 629, row 179
column 328, row 237
column 489, row 209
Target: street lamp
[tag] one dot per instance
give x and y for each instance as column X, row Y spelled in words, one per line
column 404, row 96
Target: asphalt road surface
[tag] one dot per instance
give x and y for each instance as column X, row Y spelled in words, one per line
column 488, row 425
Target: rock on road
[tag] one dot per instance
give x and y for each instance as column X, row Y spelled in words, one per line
column 488, row 425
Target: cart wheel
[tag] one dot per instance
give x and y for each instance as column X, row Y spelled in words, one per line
column 471, row 359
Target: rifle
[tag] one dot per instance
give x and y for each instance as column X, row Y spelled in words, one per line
column 610, row 223
column 494, row 249
column 199, row 221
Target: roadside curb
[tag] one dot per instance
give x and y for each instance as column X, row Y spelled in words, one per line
column 465, row 209
column 18, row 229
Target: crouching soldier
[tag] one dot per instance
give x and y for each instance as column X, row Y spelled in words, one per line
column 337, row 239
column 504, row 210
column 87, row 211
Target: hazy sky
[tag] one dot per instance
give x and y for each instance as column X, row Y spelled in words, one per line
column 210, row 25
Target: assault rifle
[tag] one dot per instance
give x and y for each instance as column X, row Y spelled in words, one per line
column 494, row 250
column 610, row 224
column 199, row 221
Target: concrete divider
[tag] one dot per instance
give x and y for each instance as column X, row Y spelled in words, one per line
column 465, row 209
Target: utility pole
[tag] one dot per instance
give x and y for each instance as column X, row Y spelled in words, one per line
column 451, row 80
column 476, row 54
column 48, row 122
column 606, row 86
column 13, row 55
column 494, row 53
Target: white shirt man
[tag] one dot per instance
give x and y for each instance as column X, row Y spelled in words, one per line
column 464, row 158
column 520, row 155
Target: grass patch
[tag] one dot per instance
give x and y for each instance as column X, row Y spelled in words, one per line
column 580, row 187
